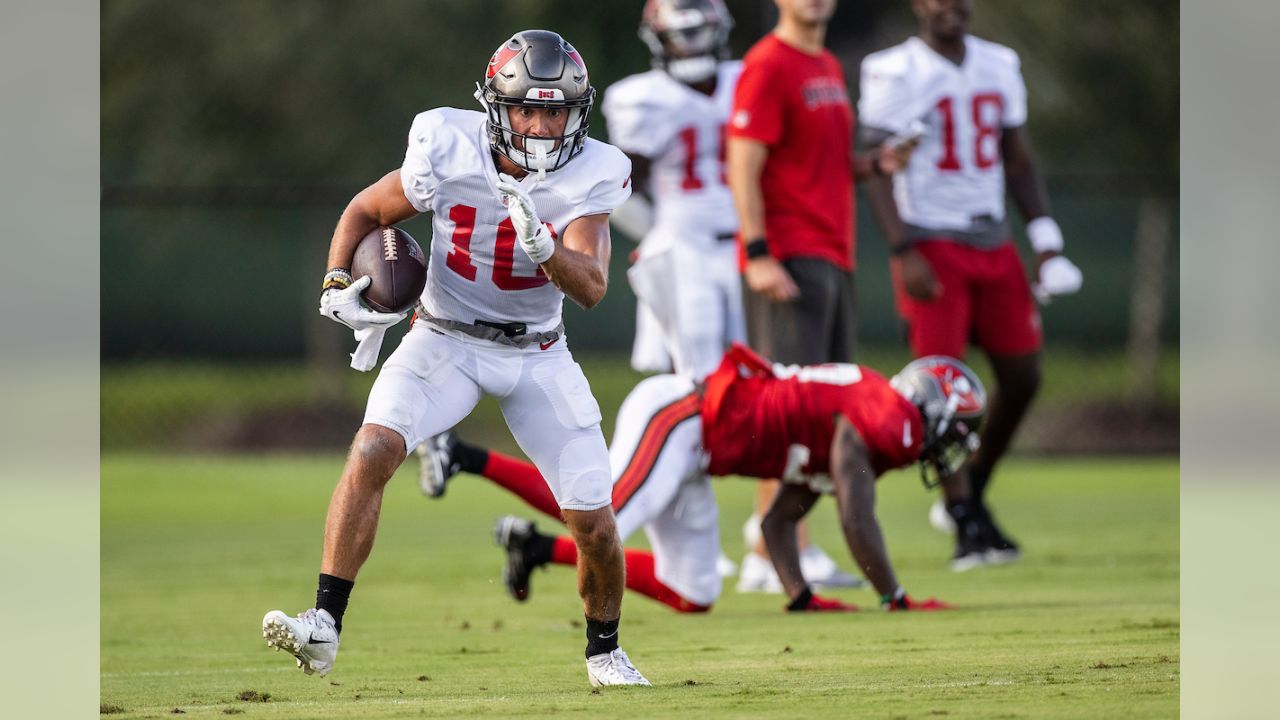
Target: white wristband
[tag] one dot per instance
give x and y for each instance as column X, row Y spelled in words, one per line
column 1044, row 234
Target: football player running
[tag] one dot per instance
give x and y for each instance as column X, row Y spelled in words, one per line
column 521, row 199
column 956, row 272
column 823, row 428
column 671, row 122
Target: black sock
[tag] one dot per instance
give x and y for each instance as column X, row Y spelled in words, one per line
column 539, row 549
column 978, row 480
column 965, row 515
column 332, row 595
column 471, row 459
column 602, row 636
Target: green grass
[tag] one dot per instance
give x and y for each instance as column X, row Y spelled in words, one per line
column 195, row 550
column 162, row 405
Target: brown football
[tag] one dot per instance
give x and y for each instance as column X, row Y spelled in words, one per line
column 398, row 269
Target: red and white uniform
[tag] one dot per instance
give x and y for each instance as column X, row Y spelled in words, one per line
column 955, row 181
column 686, row 274
column 951, row 197
column 752, row 419
column 779, row 421
column 477, row 269
column 478, row 272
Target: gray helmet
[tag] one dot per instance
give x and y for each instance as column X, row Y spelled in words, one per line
column 686, row 38
column 536, row 68
column 952, row 403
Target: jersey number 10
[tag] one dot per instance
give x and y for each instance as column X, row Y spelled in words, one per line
column 504, row 251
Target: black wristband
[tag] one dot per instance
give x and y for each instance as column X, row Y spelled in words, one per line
column 801, row 603
column 757, row 248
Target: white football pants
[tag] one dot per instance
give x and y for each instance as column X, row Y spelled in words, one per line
column 436, row 377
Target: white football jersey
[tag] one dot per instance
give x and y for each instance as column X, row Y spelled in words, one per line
column 478, row 271
column 955, row 180
column 681, row 131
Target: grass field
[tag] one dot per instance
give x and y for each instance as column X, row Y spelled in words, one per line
column 195, row 550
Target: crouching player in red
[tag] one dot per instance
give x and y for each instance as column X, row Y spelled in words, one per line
column 821, row 428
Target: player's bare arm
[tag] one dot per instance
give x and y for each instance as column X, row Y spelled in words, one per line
column 580, row 267
column 778, row 526
column 1024, row 182
column 917, row 276
column 855, row 489
column 382, row 203
column 765, row 275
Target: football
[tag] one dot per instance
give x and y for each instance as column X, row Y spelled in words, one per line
column 396, row 266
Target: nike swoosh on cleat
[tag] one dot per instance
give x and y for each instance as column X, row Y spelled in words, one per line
column 311, row 640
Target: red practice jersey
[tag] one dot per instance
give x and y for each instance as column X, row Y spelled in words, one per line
column 798, row 105
column 773, row 421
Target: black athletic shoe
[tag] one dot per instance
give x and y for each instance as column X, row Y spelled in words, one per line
column 437, row 463
column 1000, row 549
column 515, row 535
column 971, row 552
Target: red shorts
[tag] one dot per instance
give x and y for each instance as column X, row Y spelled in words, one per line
column 985, row 298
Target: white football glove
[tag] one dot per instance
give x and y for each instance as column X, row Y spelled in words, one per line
column 534, row 237
column 344, row 306
column 1058, row 276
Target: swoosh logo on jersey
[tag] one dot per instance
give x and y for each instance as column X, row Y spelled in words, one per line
column 546, row 345
column 906, row 433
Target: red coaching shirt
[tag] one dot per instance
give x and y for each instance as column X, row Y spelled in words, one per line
column 798, row 105
column 755, row 415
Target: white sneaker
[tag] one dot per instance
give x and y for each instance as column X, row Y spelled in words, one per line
column 613, row 668
column 725, row 567
column 311, row 638
column 822, row 572
column 940, row 519
column 756, row 574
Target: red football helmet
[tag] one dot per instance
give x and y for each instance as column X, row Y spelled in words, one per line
column 687, row 38
column 952, row 403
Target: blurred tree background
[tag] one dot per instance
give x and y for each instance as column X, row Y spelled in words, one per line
column 233, row 133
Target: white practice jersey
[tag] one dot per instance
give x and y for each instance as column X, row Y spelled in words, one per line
column 955, row 180
column 478, row 271
column 681, row 131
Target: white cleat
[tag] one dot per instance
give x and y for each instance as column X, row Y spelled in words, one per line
column 756, row 574
column 311, row 638
column 821, row 571
column 940, row 519
column 613, row 668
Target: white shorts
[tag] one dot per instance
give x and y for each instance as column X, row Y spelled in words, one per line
column 436, row 377
column 660, row 484
column 696, row 296
column 649, row 352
